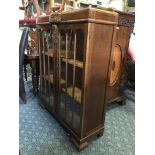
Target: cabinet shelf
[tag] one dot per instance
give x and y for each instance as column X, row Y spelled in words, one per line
column 49, row 52
column 77, row 93
column 50, row 79
column 62, row 53
column 71, row 61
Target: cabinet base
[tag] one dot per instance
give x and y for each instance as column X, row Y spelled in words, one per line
column 100, row 134
column 80, row 146
column 80, row 143
column 120, row 100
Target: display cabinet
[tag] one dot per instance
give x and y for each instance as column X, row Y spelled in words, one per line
column 75, row 54
column 118, row 76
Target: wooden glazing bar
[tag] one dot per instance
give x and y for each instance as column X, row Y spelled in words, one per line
column 40, row 57
column 66, row 65
column 44, row 62
column 53, row 64
column 48, row 64
column 54, row 59
column 56, row 66
column 57, row 50
column 66, row 73
column 59, row 59
column 73, row 91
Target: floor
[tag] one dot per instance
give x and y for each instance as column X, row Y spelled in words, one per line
column 40, row 134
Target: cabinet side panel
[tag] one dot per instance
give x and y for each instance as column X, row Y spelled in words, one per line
column 97, row 64
column 115, row 91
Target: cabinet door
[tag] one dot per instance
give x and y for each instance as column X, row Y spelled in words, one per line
column 70, row 76
column 44, row 90
column 47, row 62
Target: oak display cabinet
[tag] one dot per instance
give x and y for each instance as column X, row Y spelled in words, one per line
column 75, row 54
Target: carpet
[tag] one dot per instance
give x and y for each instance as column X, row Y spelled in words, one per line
column 41, row 134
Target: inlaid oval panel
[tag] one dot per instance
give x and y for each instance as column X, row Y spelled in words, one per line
column 116, row 65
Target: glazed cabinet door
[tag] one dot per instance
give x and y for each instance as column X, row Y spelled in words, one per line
column 71, row 68
column 47, row 69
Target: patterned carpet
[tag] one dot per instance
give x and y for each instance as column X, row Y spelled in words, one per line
column 40, row 134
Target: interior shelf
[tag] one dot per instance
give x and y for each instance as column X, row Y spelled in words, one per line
column 48, row 53
column 62, row 53
column 50, row 79
column 71, row 61
column 77, row 93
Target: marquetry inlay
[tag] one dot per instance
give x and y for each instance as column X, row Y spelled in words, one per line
column 116, row 64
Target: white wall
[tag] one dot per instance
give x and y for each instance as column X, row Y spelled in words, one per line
column 117, row 4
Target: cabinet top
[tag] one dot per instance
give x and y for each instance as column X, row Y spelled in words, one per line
column 86, row 15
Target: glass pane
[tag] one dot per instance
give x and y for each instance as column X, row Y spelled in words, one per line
column 76, row 116
column 45, row 90
column 71, row 73
column 51, row 90
column 79, row 45
column 44, row 67
column 51, row 73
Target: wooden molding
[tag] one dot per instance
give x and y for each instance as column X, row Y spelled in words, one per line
column 55, row 17
column 126, row 22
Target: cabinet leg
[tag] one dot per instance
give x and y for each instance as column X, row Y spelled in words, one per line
column 80, row 146
column 42, row 106
column 121, row 100
column 100, row 134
